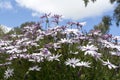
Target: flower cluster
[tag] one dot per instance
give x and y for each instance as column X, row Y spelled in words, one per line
column 56, row 49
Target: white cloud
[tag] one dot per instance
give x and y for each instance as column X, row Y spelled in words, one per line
column 69, row 8
column 35, row 14
column 5, row 5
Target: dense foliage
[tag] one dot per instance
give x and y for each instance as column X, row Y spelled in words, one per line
column 1, row 31
column 59, row 52
column 116, row 15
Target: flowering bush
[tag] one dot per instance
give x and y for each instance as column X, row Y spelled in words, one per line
column 59, row 53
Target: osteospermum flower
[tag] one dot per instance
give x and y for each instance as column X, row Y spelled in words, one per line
column 54, row 57
column 95, row 32
column 5, row 64
column 89, row 52
column 74, row 31
column 84, row 64
column 56, row 46
column 89, row 48
column 107, row 44
column 45, row 52
column 115, row 53
column 109, row 64
column 8, row 73
column 65, row 41
column 72, row 62
column 34, row 68
column 74, row 52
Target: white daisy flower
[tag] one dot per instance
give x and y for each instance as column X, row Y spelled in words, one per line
column 89, row 48
column 84, row 64
column 8, row 73
column 34, row 68
column 109, row 64
column 72, row 62
column 54, row 57
column 64, row 40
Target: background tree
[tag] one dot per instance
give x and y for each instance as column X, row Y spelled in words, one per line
column 18, row 30
column 15, row 30
column 104, row 25
column 27, row 24
column 116, row 15
column 1, row 32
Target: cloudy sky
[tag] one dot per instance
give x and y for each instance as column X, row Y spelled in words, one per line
column 15, row 12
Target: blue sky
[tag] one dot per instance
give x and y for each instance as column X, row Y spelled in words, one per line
column 15, row 12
